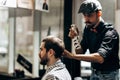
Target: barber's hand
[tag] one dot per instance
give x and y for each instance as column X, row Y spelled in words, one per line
column 68, row 54
column 73, row 31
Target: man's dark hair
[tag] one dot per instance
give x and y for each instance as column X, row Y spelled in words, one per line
column 90, row 6
column 54, row 43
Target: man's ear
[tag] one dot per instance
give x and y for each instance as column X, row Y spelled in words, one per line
column 99, row 13
column 51, row 52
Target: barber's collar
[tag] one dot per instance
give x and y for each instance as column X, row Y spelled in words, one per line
column 98, row 27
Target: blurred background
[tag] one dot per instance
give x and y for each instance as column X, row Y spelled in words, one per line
column 23, row 24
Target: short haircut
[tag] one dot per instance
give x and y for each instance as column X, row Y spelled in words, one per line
column 54, row 43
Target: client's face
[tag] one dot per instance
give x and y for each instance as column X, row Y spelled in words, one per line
column 43, row 55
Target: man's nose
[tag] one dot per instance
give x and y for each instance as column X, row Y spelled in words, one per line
column 86, row 18
column 39, row 53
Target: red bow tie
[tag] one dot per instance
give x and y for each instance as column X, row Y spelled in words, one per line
column 93, row 30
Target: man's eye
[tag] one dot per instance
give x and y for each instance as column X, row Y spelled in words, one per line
column 40, row 49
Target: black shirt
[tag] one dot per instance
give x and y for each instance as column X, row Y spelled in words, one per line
column 45, row 6
column 105, row 41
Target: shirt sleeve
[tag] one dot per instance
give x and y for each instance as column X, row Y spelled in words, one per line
column 108, row 43
column 51, row 77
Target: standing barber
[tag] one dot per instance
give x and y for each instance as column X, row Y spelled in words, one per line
column 100, row 38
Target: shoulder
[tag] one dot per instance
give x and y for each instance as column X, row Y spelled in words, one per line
column 51, row 77
column 58, row 74
column 110, row 30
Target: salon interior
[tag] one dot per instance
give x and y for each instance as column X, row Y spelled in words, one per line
column 23, row 24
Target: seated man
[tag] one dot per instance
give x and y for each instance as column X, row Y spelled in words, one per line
column 51, row 50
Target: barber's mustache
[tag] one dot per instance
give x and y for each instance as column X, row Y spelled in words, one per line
column 87, row 22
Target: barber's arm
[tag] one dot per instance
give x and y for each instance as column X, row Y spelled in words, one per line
column 94, row 57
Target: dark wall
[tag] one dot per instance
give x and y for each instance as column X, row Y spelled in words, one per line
column 72, row 65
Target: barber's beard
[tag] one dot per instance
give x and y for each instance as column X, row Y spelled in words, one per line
column 90, row 24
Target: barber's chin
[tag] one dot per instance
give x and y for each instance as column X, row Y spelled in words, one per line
column 89, row 25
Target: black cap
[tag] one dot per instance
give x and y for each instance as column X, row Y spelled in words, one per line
column 89, row 6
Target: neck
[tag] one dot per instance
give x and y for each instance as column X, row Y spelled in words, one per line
column 99, row 19
column 52, row 61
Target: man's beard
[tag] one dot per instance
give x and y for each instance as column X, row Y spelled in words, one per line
column 44, row 61
column 89, row 24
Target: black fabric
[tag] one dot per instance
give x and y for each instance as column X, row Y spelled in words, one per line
column 104, row 41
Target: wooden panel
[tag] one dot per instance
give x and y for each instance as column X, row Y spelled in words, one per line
column 118, row 4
